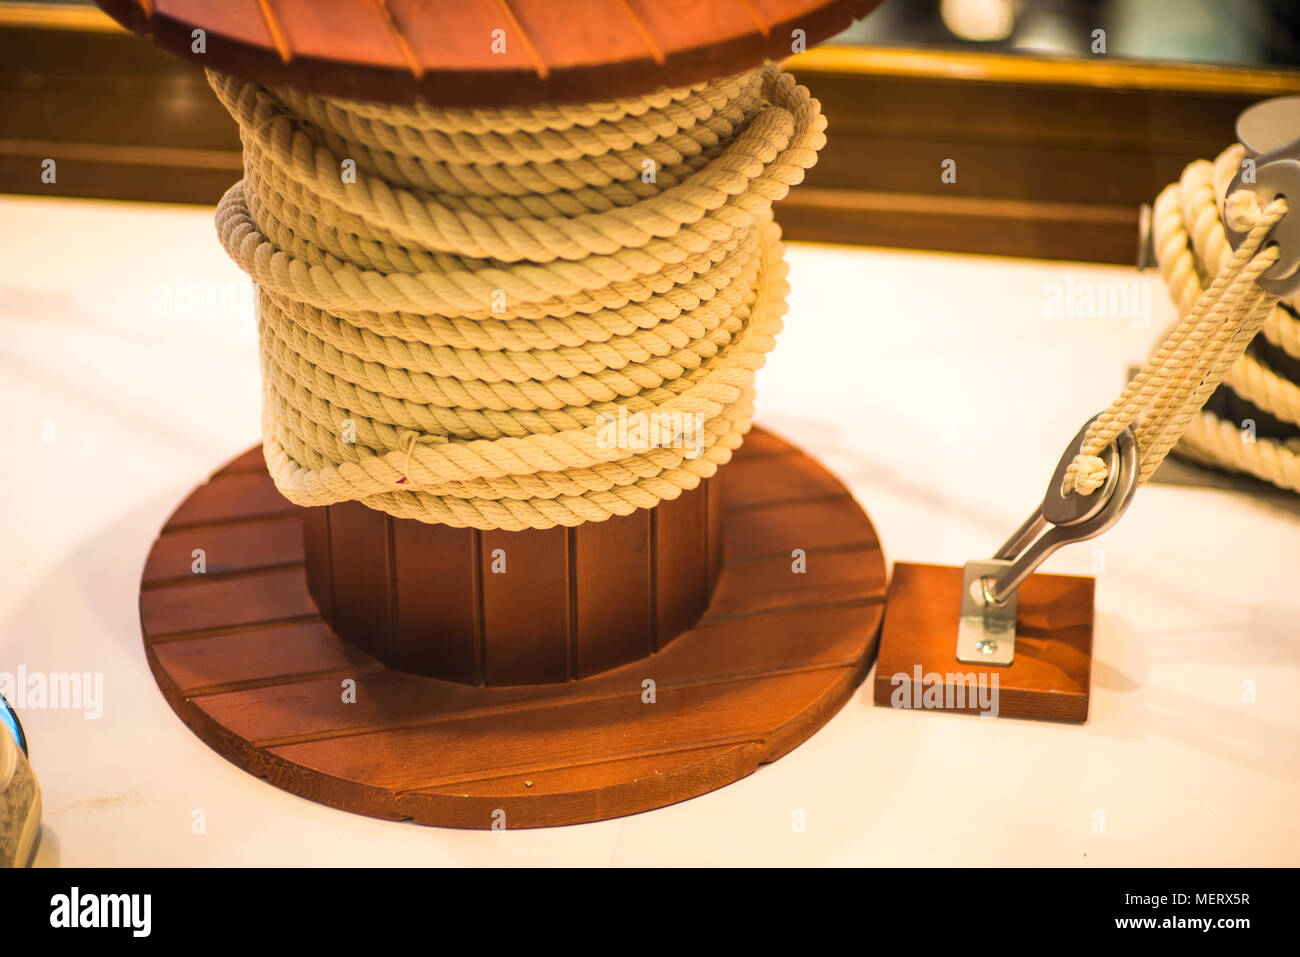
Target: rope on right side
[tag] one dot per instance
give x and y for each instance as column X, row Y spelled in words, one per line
column 1221, row 309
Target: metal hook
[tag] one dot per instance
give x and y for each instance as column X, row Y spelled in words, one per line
column 987, row 632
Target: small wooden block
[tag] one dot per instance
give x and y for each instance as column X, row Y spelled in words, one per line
column 1050, row 678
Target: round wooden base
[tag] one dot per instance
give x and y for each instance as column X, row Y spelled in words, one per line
column 242, row 656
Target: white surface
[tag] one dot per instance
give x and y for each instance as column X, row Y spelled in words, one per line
column 933, row 385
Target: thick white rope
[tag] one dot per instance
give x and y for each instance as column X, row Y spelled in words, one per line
column 1207, row 344
column 448, row 334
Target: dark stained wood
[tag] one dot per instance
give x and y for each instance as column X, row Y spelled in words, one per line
column 778, row 529
column 1053, row 156
column 261, row 543
column 526, row 625
column 443, row 52
column 681, row 563
column 294, row 708
column 244, row 662
column 317, row 553
column 498, row 607
column 715, row 507
column 1037, row 229
column 613, row 592
column 754, row 482
column 361, row 575
column 238, row 495
column 758, row 443
column 829, row 576
column 1051, row 676
column 435, row 579
column 225, row 601
column 244, row 659
column 251, row 461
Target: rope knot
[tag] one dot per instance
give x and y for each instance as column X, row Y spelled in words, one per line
column 412, row 440
column 1241, row 210
column 1089, row 474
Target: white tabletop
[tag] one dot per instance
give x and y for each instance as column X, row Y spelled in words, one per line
column 940, row 388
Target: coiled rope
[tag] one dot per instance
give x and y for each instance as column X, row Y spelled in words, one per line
column 1221, row 309
column 444, row 337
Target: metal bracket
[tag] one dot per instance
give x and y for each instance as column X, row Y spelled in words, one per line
column 987, row 632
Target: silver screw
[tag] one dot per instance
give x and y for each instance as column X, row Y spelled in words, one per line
column 987, row 647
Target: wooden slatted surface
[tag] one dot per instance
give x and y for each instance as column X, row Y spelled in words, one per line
column 243, row 657
column 485, row 52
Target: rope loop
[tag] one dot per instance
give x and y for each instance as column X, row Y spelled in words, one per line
column 1216, row 325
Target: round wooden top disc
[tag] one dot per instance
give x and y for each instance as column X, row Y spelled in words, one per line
column 484, row 52
column 243, row 657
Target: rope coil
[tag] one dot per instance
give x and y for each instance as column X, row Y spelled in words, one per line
column 444, row 335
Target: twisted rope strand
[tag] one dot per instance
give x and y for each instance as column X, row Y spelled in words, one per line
column 1216, row 322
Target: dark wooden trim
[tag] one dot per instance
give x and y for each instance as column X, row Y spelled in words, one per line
column 997, row 227
column 1053, row 156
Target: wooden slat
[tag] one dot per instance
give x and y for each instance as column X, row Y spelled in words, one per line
column 437, row 607
column 251, row 461
column 260, row 543
column 593, row 24
column 681, row 563
column 566, row 781
column 717, row 526
column 766, row 584
column 271, row 654
column 352, row 30
column 440, row 33
column 526, row 627
column 675, row 22
column 760, row 443
column 319, row 566
column 771, row 530
column 225, row 602
column 239, row 19
column 240, row 496
column 613, row 597
column 361, row 568
column 754, row 482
